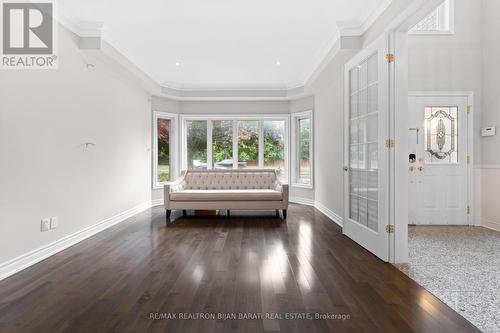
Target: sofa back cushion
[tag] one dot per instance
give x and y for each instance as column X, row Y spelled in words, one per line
column 230, row 180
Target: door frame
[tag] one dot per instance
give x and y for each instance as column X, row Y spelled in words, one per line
column 470, row 139
column 398, row 44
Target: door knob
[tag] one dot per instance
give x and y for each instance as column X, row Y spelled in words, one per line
column 346, row 169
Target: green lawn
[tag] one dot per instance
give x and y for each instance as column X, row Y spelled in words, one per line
column 163, row 173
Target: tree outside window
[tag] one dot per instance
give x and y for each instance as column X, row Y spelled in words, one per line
column 163, row 130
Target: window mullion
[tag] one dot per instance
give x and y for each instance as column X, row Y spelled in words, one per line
column 297, row 150
column 171, row 150
column 261, row 144
column 209, row 145
column 235, row 144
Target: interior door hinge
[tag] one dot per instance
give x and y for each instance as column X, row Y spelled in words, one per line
column 389, row 229
column 389, row 143
column 390, row 57
column 468, row 210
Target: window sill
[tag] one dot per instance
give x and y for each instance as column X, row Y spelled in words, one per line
column 158, row 186
column 431, row 33
column 299, row 185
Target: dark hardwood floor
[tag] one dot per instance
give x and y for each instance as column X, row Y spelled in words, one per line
column 119, row 279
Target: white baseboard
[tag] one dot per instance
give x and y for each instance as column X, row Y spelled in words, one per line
column 494, row 225
column 156, row 202
column 24, row 261
column 330, row 213
column 302, row 201
column 319, row 206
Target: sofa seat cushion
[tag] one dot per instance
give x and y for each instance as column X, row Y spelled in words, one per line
column 226, row 195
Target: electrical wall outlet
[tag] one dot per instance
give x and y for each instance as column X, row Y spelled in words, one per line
column 53, row 222
column 45, row 225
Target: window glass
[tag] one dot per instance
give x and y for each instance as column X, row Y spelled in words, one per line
column 163, row 144
column 304, row 143
column 222, row 144
column 439, row 20
column 248, row 144
column 274, row 146
column 441, row 135
column 196, row 142
column 363, row 150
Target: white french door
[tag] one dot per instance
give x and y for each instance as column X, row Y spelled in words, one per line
column 366, row 129
column 438, row 161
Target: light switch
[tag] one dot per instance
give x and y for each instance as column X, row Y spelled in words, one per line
column 45, row 225
column 53, row 222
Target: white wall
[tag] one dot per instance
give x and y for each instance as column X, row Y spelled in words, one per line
column 165, row 105
column 328, row 89
column 490, row 71
column 451, row 62
column 45, row 117
column 235, row 107
column 467, row 61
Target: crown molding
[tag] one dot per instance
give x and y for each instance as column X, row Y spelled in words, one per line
column 224, row 94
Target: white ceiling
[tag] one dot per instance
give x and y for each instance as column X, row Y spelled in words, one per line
column 223, row 44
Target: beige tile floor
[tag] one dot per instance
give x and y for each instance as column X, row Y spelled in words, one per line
column 460, row 266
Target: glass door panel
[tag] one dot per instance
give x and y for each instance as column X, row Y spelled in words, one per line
column 363, row 142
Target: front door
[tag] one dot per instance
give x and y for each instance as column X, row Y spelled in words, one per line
column 438, row 160
column 366, row 157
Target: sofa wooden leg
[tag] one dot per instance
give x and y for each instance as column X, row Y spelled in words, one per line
column 277, row 213
column 169, row 211
column 284, row 214
column 184, row 213
column 228, row 213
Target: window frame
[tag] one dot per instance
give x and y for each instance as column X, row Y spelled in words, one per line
column 451, row 20
column 173, row 164
column 295, row 118
column 235, row 118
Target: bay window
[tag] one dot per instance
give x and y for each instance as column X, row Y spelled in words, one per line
column 235, row 142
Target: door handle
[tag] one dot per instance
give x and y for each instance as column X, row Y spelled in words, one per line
column 346, row 169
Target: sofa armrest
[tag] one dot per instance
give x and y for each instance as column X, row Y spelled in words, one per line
column 173, row 186
column 284, row 191
column 283, row 188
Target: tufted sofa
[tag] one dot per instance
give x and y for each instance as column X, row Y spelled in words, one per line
column 226, row 189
